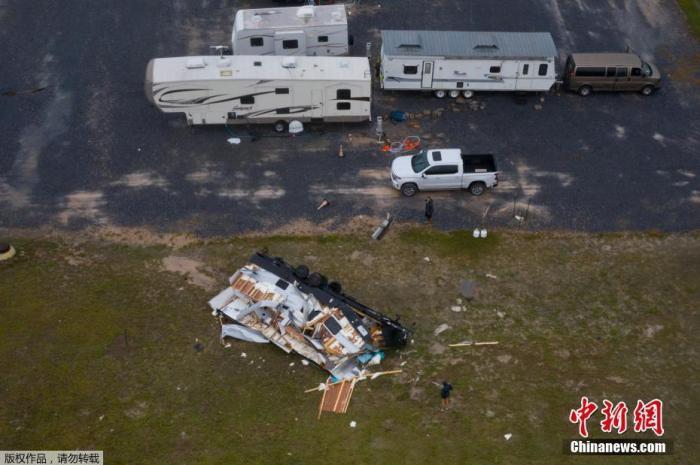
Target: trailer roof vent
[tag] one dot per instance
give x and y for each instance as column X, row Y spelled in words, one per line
column 306, row 12
column 486, row 47
column 196, row 62
column 289, row 62
column 410, row 45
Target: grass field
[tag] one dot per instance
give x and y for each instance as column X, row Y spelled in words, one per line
column 691, row 8
column 98, row 349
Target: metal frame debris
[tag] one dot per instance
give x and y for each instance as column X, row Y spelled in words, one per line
column 268, row 300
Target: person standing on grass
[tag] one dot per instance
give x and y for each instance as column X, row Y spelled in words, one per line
column 429, row 210
column 445, row 395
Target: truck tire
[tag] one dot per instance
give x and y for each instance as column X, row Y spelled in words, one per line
column 301, row 271
column 467, row 93
column 280, row 126
column 477, row 188
column 409, row 189
column 647, row 90
column 584, row 91
column 454, row 93
column 440, row 93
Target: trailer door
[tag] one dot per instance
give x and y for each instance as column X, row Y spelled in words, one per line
column 427, row 81
column 317, row 99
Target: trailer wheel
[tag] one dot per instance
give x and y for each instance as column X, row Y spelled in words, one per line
column 301, row 271
column 467, row 93
column 647, row 90
column 477, row 188
column 317, row 279
column 454, row 93
column 409, row 189
column 280, row 126
column 335, row 286
column 440, row 93
column 584, row 91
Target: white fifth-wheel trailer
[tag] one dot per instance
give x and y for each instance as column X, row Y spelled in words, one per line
column 261, row 89
column 306, row 30
column 463, row 62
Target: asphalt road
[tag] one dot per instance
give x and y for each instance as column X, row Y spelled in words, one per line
column 81, row 146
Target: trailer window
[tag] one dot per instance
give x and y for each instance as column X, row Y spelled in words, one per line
column 257, row 63
column 342, row 94
column 282, row 111
column 460, row 85
column 590, row 72
column 256, row 41
column 526, row 69
column 410, row 69
column 281, row 90
column 495, row 69
column 247, row 100
column 322, row 39
column 343, row 106
column 290, row 44
column 543, row 69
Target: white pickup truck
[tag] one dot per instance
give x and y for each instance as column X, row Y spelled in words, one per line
column 443, row 169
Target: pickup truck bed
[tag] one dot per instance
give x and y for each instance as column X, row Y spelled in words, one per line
column 481, row 163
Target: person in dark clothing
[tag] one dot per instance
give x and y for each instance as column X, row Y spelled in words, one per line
column 429, row 210
column 445, row 395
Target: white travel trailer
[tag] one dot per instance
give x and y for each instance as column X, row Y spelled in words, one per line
column 255, row 89
column 306, row 30
column 463, row 62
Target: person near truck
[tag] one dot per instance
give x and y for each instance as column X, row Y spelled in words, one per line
column 429, row 210
column 445, row 395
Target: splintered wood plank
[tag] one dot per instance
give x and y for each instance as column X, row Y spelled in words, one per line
column 337, row 397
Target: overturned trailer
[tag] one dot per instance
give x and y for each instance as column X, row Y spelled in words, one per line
column 268, row 300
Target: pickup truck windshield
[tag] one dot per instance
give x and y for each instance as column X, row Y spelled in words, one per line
column 646, row 69
column 419, row 162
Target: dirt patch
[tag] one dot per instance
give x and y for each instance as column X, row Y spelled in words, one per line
column 193, row 269
column 83, row 205
column 141, row 179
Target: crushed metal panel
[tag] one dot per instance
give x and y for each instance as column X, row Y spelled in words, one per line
column 243, row 333
column 276, row 303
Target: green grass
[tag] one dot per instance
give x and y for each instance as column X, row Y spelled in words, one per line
column 97, row 350
column 691, row 8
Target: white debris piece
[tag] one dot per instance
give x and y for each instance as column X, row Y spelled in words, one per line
column 456, row 308
column 353, row 424
column 508, row 436
column 442, row 328
column 427, row 259
column 305, row 362
column 492, row 276
column 243, row 355
column 291, row 364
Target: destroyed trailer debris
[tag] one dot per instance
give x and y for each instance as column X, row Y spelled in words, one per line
column 268, row 300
